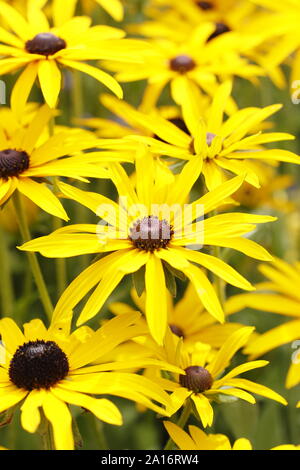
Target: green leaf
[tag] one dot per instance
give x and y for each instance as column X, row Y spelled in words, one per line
column 138, row 279
column 170, row 280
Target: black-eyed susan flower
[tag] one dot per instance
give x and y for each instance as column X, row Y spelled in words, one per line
column 32, row 43
column 205, row 379
column 50, row 369
column 196, row 439
column 152, row 229
column 272, row 194
column 27, row 157
column 231, row 145
column 283, row 45
column 196, row 64
column 278, row 295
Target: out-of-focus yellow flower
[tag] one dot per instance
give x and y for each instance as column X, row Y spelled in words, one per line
column 8, row 217
column 284, row 299
column 52, row 369
column 34, row 44
column 124, row 122
column 272, row 193
column 196, row 439
column 150, row 231
column 187, row 319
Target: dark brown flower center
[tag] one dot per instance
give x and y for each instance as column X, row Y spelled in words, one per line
column 151, row 233
column 45, row 44
column 13, row 162
column 196, row 379
column 38, row 364
column 205, row 5
column 177, row 330
column 182, row 64
column 221, row 28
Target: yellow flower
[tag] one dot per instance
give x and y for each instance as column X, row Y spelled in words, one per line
column 124, row 123
column 187, row 319
column 196, row 64
column 40, row 48
column 27, row 157
column 152, row 230
column 284, row 299
column 224, row 145
column 51, row 369
column 282, row 33
column 196, row 439
column 272, row 194
column 204, row 380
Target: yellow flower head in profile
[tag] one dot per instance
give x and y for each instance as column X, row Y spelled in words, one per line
column 52, row 369
column 187, row 319
column 27, row 157
column 40, row 48
column 150, row 231
column 231, row 145
column 205, row 379
column 196, row 439
column 279, row 295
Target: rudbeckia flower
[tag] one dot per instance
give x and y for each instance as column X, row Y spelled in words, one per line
column 196, row 64
column 196, row 439
column 197, row 325
column 205, row 380
column 40, row 48
column 26, row 159
column 152, row 229
column 224, row 145
column 272, row 194
column 278, row 295
column 282, row 33
column 52, row 369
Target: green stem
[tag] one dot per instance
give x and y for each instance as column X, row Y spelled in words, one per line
column 33, row 261
column 181, row 422
column 77, row 103
column 99, row 431
column 60, row 263
column 219, row 283
column 7, row 293
column 77, row 95
column 46, row 434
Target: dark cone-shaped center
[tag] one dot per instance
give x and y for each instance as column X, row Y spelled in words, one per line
column 182, row 64
column 221, row 28
column 38, row 364
column 13, row 162
column 177, row 330
column 151, row 233
column 45, row 44
column 196, row 379
column 205, row 5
